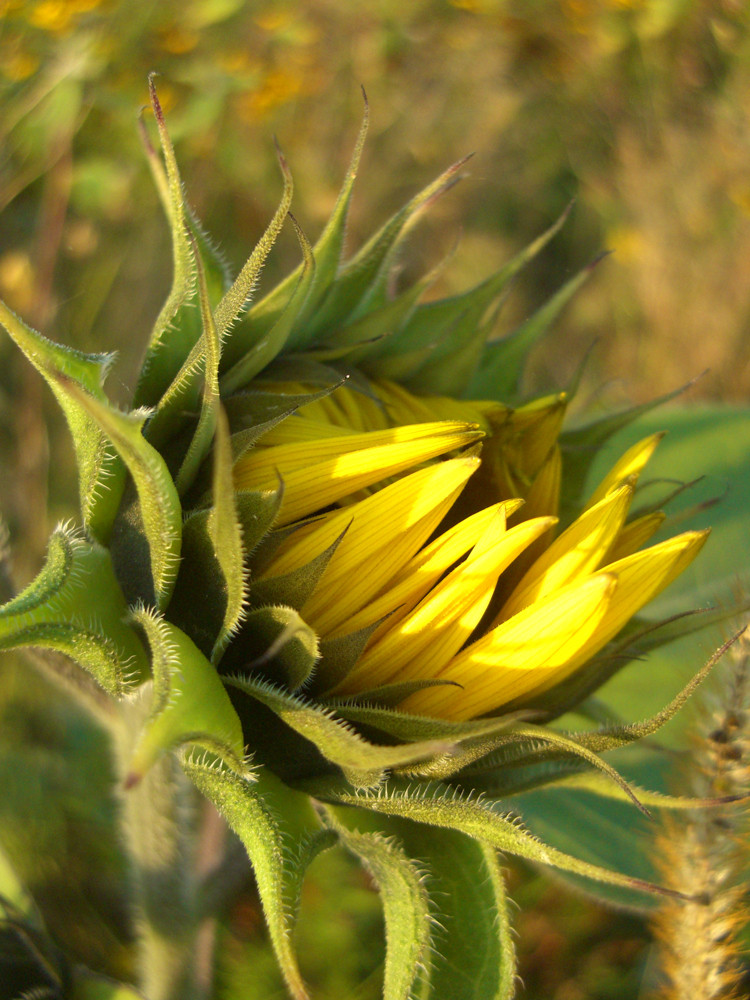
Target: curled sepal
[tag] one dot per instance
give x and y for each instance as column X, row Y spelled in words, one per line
column 470, row 908
column 408, row 922
column 363, row 764
column 160, row 510
column 438, row 805
column 246, row 813
column 278, row 643
column 189, row 703
column 101, row 474
column 75, row 607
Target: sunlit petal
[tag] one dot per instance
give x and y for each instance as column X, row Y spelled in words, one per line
column 535, row 647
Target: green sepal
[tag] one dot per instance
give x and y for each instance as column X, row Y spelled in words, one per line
column 581, row 445
column 597, row 784
column 361, row 282
column 436, row 330
column 442, row 806
column 327, row 255
column 208, row 599
column 75, row 606
column 525, row 741
column 401, row 885
column 391, row 695
column 363, row 763
column 189, row 704
column 209, row 406
column 226, row 532
column 472, row 955
column 355, row 341
column 295, row 587
column 263, row 351
column 159, row 504
column 248, row 816
column 177, row 327
column 101, row 474
column 338, row 657
column 278, row 643
column 256, row 512
column 498, row 375
column 258, row 408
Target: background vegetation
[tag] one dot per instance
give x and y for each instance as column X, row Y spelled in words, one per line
column 637, row 108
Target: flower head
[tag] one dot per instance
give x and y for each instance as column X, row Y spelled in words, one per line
column 329, row 534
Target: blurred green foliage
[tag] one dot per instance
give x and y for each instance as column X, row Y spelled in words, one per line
column 636, row 107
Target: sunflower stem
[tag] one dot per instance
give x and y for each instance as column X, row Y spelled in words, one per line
column 159, row 826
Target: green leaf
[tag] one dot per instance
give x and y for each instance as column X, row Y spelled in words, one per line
column 75, row 606
column 101, row 474
column 473, row 957
column 189, row 703
column 160, row 509
column 364, row 764
column 245, row 812
column 400, row 883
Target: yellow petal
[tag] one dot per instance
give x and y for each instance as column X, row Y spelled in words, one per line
column 423, row 641
column 404, row 407
column 534, row 647
column 380, row 534
column 576, row 553
column 407, row 587
column 543, row 496
column 627, row 468
column 537, row 426
column 640, row 577
column 635, row 534
column 297, row 428
column 318, row 474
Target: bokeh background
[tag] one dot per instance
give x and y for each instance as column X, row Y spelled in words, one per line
column 638, row 109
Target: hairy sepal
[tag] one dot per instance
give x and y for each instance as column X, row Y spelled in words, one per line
column 159, row 503
column 189, row 704
column 75, row 607
column 101, row 473
column 248, row 815
column 408, row 921
column 363, row 763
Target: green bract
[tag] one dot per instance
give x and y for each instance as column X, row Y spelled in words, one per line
column 305, row 574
